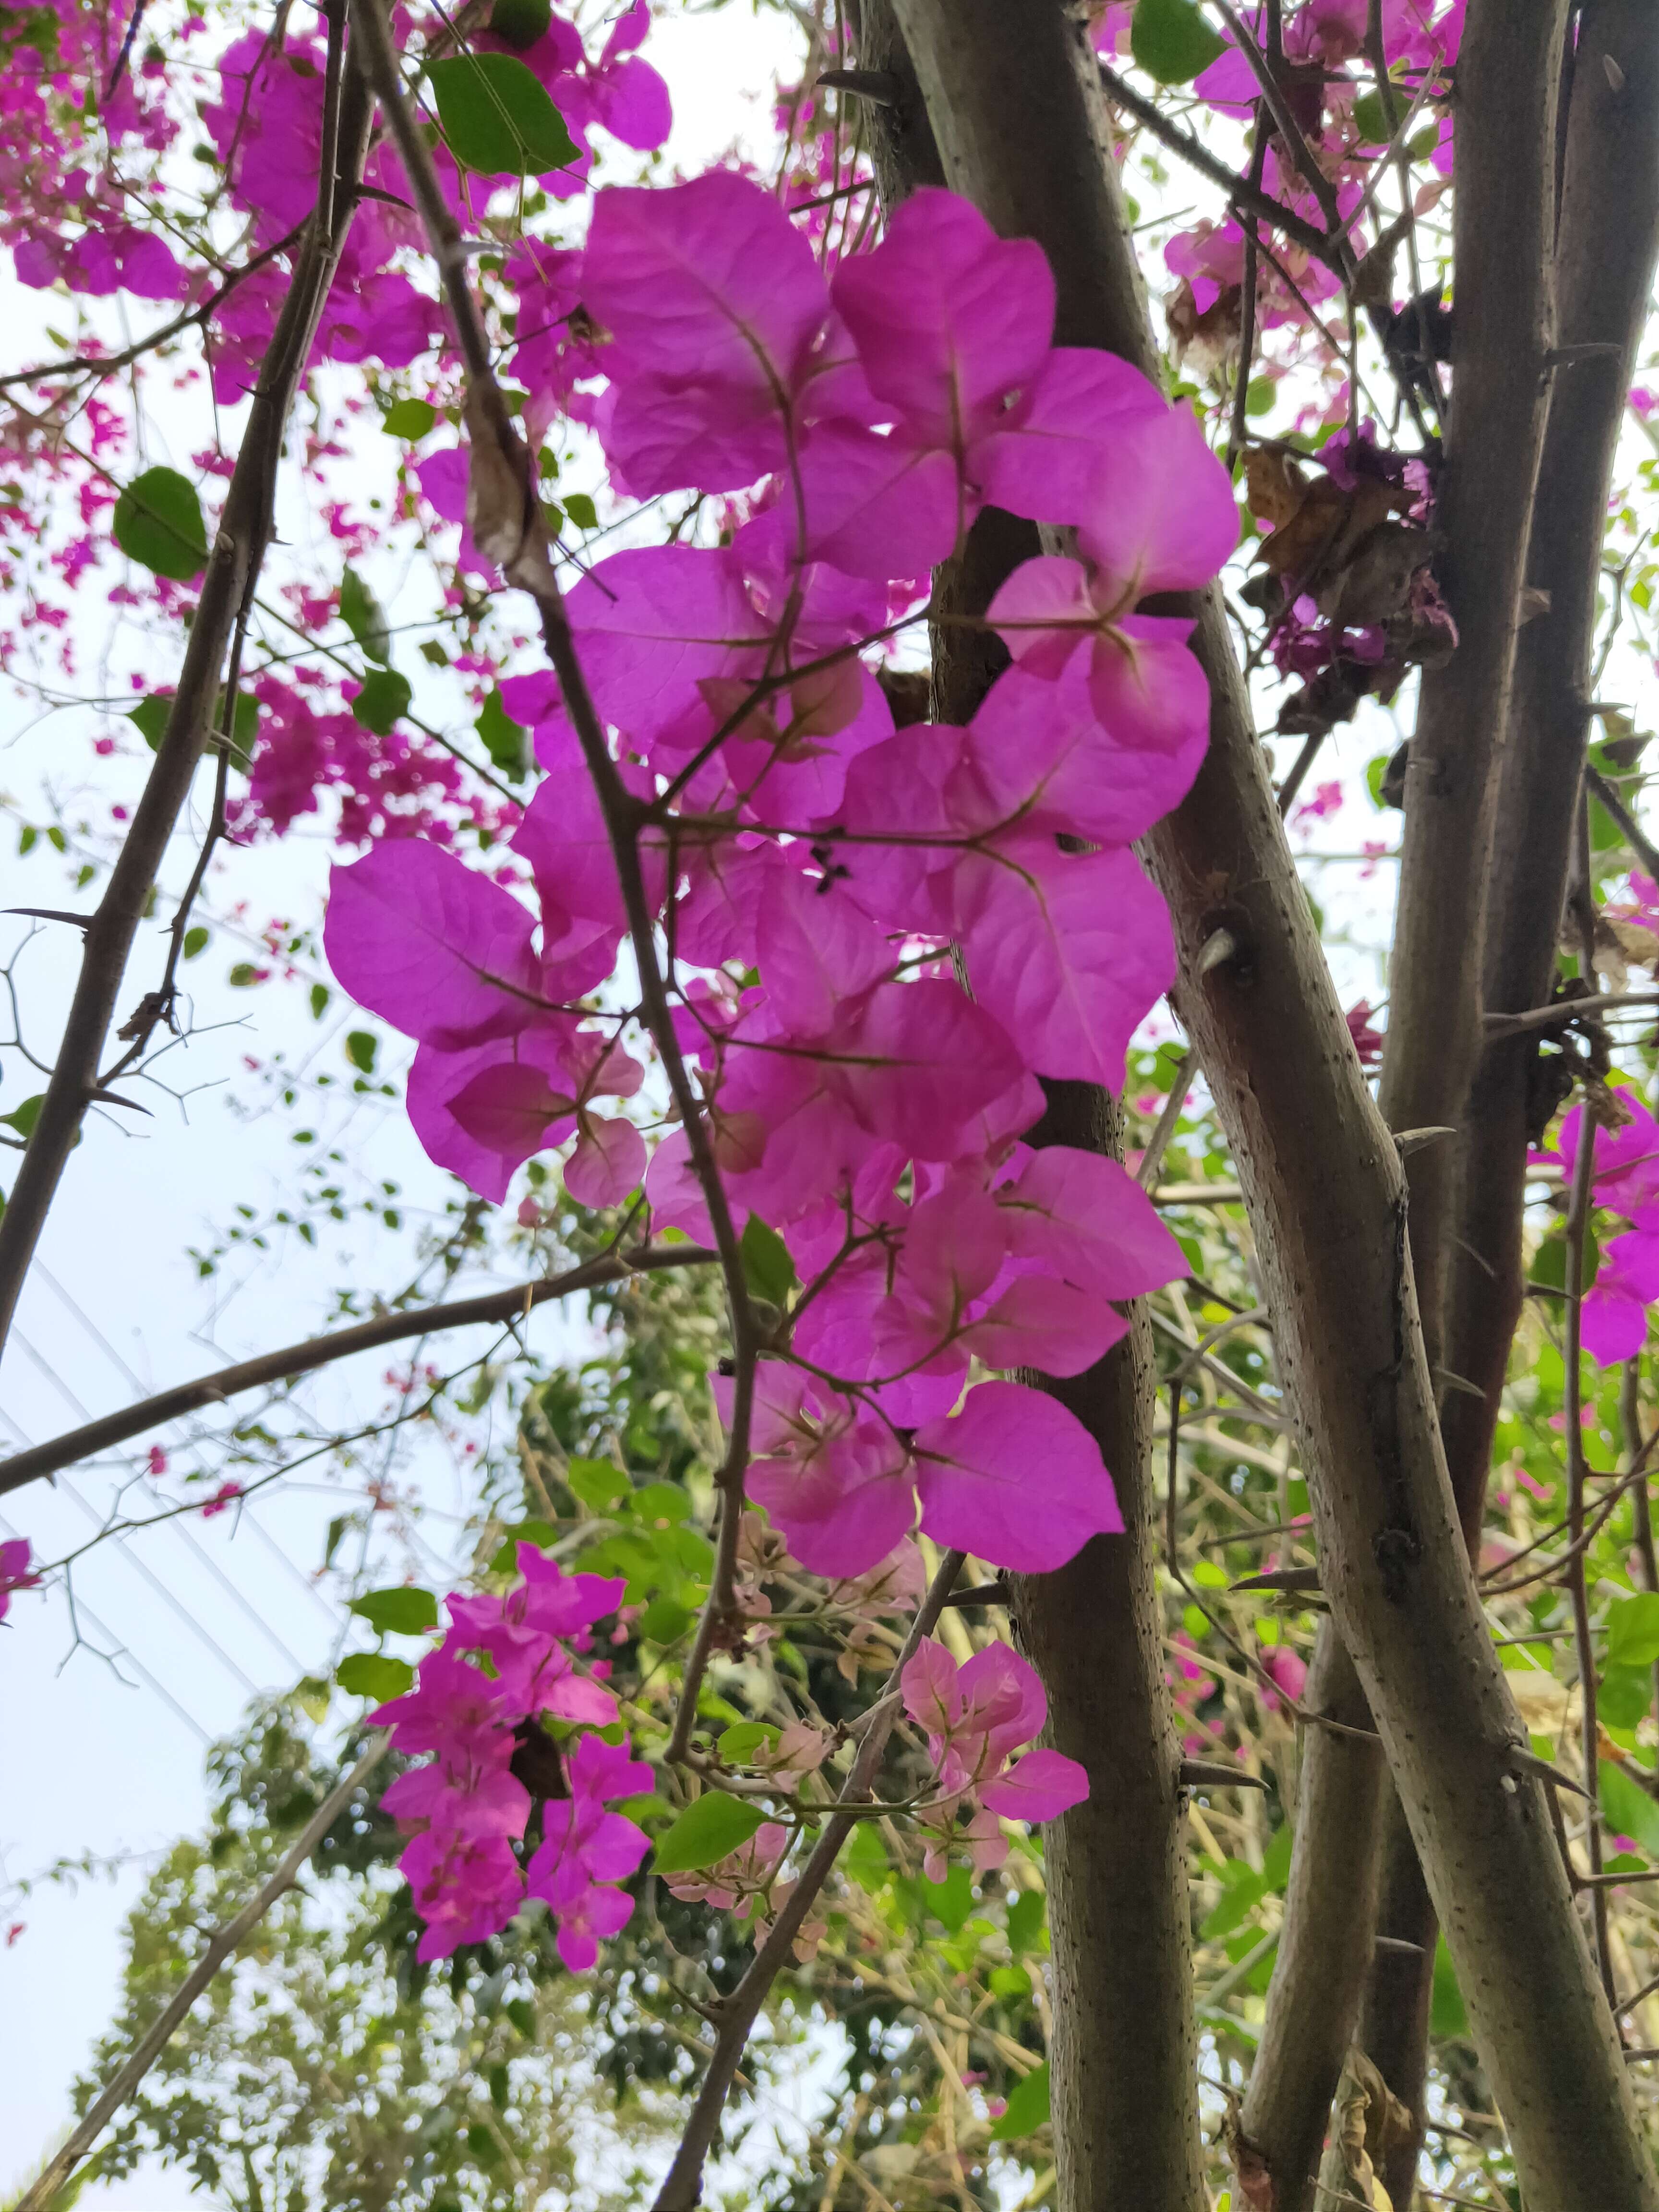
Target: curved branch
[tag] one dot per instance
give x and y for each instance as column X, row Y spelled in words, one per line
column 495, row 1307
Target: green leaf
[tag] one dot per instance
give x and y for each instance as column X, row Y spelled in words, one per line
column 496, row 116
column 410, row 418
column 740, row 1743
column 1625, row 1696
column 1242, row 1890
column 385, row 696
column 1628, row 1809
column 397, row 1612
column 158, row 524
column 1028, row 2100
column 319, row 999
column 1171, row 41
column 23, row 1118
column 1009, row 1982
column 196, row 940
column 661, row 1501
column 360, row 1046
column 1633, row 1630
column 665, row 1620
column 364, row 616
column 1370, row 119
column 1447, row 2015
column 600, row 1486
column 244, row 730
column 520, row 22
column 706, row 1833
column 1549, row 1262
column 372, row 1675
column 1025, row 1921
column 244, row 976
column 522, row 2013
column 151, row 716
column 582, row 510
column 1259, row 395
column 951, row 1900
column 503, row 737
column 767, row 1268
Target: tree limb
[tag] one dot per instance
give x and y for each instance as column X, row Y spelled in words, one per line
column 499, row 1307
column 41, row 2192
column 232, row 571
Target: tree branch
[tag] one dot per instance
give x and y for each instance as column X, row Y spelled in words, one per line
column 41, row 2192
column 505, row 518
column 233, row 567
column 682, row 2190
column 497, row 1307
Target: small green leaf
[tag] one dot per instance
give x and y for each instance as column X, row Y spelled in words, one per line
column 767, row 1268
column 1370, row 119
column 706, row 1833
column 1171, row 41
column 522, row 2013
column 741, row 1741
column 397, row 1612
column 360, row 1046
column 600, row 1486
column 1549, row 1262
column 582, row 510
column 520, row 22
column 1633, row 1630
column 502, row 738
column 1259, row 395
column 661, row 1501
column 244, row 730
column 158, row 524
column 151, row 716
column 196, row 940
column 1028, row 2100
column 319, row 999
column 1627, row 1809
column 951, row 1900
column 496, row 116
column 1025, row 1921
column 372, row 1675
column 23, row 1118
column 385, row 696
column 1009, row 1982
column 364, row 616
column 410, row 418
column 665, row 1620
column 244, row 976
column 1626, row 1694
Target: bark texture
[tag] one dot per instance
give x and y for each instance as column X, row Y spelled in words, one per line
column 1608, row 237
column 1012, row 90
column 1124, row 2053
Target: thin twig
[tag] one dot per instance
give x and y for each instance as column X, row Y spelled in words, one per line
column 682, row 2190
column 58, row 2169
column 492, row 1307
column 501, row 475
column 1238, row 190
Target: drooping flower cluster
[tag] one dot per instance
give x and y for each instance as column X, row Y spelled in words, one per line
column 824, row 875
column 975, row 1716
column 497, row 1762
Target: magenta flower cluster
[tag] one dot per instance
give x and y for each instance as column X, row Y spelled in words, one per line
column 481, row 1702
column 823, row 874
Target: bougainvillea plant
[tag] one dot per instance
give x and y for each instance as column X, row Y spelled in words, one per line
column 816, row 755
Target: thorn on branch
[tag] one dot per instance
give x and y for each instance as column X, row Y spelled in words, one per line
column 1282, row 1578
column 53, row 913
column 1193, row 1773
column 880, row 86
column 994, row 1593
column 1407, row 1141
column 1398, row 1946
column 1522, row 1761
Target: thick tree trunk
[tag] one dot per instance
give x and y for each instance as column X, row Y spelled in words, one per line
column 1124, row 2052
column 1607, row 238
column 1011, row 89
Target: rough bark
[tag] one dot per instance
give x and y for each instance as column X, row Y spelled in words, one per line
column 1123, row 2053
column 1508, row 71
column 1330, row 1902
column 1008, row 85
column 1608, row 237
